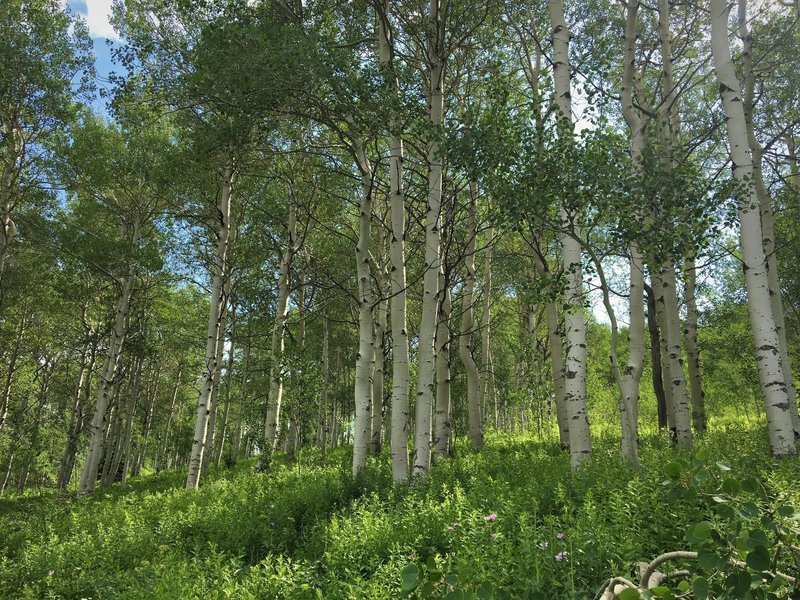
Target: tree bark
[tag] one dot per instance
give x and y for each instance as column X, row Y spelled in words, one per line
column 466, row 349
column 442, row 423
column 381, row 318
column 580, row 441
column 426, row 366
column 275, row 397
column 213, row 403
column 765, row 336
column 108, row 373
column 322, row 418
column 223, row 430
column 486, row 314
column 400, row 410
column 366, row 343
column 692, row 351
column 765, row 210
column 216, row 308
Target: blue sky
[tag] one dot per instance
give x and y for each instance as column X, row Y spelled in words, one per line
column 97, row 13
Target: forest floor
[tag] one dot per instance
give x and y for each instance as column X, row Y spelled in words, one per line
column 511, row 521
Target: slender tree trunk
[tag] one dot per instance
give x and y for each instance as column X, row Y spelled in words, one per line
column 765, row 210
column 237, row 436
column 762, row 319
column 147, row 422
column 275, row 397
column 162, row 453
column 223, row 430
column 123, row 456
column 400, row 410
column 76, row 417
column 442, row 424
column 211, row 428
column 486, row 341
column 556, row 343
column 381, row 317
column 580, row 441
column 366, row 344
column 692, row 351
column 11, row 370
column 293, row 434
column 466, row 350
column 672, row 330
column 108, row 374
column 426, row 363
column 655, row 356
column 322, row 418
column 216, row 307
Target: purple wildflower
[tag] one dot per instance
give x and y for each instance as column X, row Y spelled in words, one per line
column 561, row 555
column 560, row 535
column 490, row 517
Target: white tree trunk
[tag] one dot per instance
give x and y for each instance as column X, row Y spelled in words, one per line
column 400, row 410
column 765, row 336
column 277, row 348
column 672, row 324
column 692, row 351
column 765, row 209
column 381, row 319
column 211, row 361
column 442, row 424
column 366, row 353
column 486, row 319
column 580, row 441
column 430, row 291
column 466, row 349
column 677, row 381
column 322, row 417
column 107, row 375
column 213, row 403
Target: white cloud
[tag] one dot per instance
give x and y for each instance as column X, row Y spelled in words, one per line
column 98, row 16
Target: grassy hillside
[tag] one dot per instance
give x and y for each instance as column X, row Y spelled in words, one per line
column 512, row 521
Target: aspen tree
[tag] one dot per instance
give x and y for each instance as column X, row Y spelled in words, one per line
column 366, row 353
column 762, row 320
column 765, row 209
column 400, row 410
column 219, row 273
column 466, row 350
column 580, row 441
column 669, row 291
column 109, row 372
column 699, row 421
column 275, row 397
column 430, row 291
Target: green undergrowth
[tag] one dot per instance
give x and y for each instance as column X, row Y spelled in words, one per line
column 513, row 519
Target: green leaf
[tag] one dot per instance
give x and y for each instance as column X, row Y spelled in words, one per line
column 629, row 594
column 485, row 591
column 699, row 533
column 738, row 582
column 731, row 486
column 709, row 561
column 750, row 485
column 702, row 455
column 663, row 591
column 757, row 537
column 758, row 558
column 673, row 470
column 700, row 588
column 683, row 586
column 409, row 578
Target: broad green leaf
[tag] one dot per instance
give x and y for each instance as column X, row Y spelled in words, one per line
column 700, row 588
column 673, row 470
column 758, row 559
